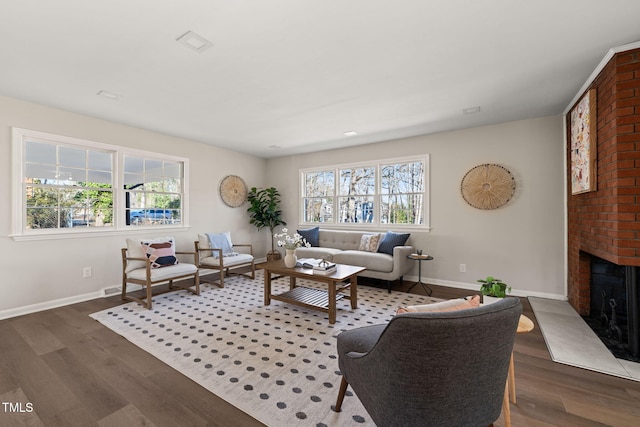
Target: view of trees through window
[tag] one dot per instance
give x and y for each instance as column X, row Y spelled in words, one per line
column 392, row 193
column 319, row 195
column 67, row 186
column 71, row 184
column 153, row 191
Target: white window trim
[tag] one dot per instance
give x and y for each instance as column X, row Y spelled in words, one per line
column 17, row 217
column 375, row 226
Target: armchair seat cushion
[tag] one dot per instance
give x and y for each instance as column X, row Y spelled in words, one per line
column 228, row 261
column 164, row 273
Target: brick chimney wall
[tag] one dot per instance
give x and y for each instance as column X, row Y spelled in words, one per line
column 606, row 222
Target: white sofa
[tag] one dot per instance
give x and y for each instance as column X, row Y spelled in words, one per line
column 343, row 247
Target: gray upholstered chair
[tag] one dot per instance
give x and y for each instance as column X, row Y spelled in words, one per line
column 432, row 368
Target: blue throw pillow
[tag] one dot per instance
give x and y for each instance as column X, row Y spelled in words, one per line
column 391, row 240
column 311, row 235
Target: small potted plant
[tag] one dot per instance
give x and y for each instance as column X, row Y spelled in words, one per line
column 493, row 289
column 290, row 244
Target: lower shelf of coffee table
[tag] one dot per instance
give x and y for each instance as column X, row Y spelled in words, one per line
column 307, row 297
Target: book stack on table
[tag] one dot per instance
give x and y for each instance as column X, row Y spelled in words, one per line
column 325, row 268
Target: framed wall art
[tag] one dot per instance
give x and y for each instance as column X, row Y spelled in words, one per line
column 583, row 144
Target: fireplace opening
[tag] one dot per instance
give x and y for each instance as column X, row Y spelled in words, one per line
column 614, row 307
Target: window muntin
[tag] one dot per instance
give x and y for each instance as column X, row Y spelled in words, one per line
column 387, row 192
column 67, row 185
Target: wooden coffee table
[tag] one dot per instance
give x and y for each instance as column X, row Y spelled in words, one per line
column 317, row 299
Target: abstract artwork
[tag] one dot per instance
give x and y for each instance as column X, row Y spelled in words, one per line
column 583, row 144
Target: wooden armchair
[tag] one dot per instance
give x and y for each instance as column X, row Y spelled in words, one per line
column 218, row 257
column 151, row 262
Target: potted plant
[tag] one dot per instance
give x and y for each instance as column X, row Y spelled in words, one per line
column 493, row 289
column 264, row 212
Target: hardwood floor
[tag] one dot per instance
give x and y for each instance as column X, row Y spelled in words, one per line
column 75, row 372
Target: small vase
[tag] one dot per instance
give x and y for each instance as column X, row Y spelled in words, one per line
column 486, row 299
column 290, row 258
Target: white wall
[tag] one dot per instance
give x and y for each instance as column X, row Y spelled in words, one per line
column 521, row 243
column 40, row 274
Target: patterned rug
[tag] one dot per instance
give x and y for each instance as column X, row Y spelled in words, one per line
column 278, row 363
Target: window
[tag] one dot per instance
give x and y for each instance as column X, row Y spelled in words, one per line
column 317, row 202
column 386, row 192
column 69, row 186
column 402, row 193
column 66, row 187
column 150, row 184
column 356, row 194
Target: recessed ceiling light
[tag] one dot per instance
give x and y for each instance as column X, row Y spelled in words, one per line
column 351, row 133
column 109, row 95
column 194, row 41
column 472, row 110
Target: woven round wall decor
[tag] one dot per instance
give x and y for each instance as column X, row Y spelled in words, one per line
column 488, row 186
column 233, row 191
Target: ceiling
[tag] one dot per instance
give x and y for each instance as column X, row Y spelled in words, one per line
column 292, row 76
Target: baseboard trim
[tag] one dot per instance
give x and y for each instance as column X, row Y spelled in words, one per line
column 476, row 288
column 33, row 308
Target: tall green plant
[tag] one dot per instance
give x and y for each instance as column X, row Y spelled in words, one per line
column 264, row 210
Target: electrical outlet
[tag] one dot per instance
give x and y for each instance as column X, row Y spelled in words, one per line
column 463, row 268
column 86, row 272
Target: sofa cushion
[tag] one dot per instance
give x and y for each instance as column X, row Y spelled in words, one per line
column 369, row 242
column 311, row 235
column 370, row 260
column 448, row 305
column 391, row 240
column 317, row 252
column 341, row 239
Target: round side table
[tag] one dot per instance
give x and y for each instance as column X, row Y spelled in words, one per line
column 420, row 258
column 524, row 325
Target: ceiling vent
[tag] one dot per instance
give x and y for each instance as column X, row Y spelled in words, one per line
column 472, row 110
column 194, row 41
column 109, row 95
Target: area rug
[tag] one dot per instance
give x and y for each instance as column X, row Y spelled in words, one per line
column 277, row 363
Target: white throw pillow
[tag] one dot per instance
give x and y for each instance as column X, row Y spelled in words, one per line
column 369, row 242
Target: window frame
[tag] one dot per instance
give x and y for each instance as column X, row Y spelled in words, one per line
column 376, row 224
column 18, row 212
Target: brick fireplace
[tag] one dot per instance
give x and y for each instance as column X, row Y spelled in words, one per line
column 606, row 223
